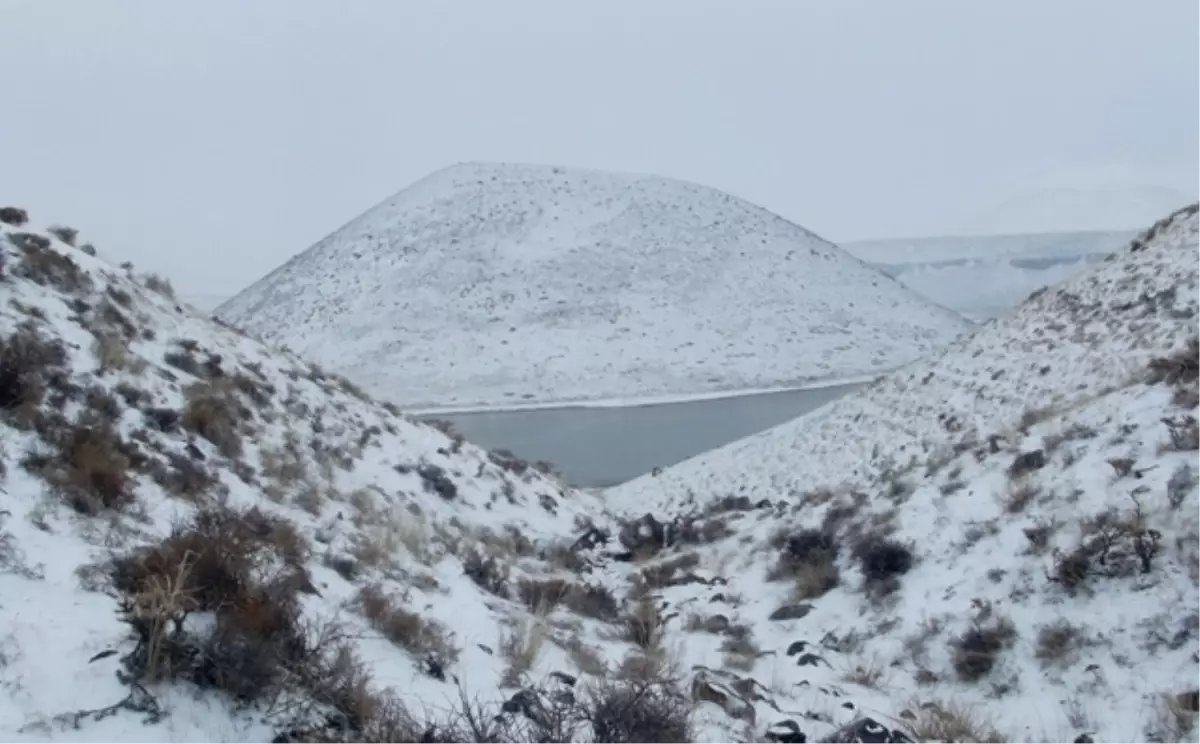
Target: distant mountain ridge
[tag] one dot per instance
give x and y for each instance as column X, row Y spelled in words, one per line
column 495, row 284
column 982, row 276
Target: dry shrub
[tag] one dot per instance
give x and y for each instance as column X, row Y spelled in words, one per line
column 1113, row 544
column 543, row 595
column 644, row 625
column 974, row 653
column 809, row 559
column 594, row 601
column 218, row 563
column 109, row 350
column 214, row 413
column 521, row 645
column 1019, row 496
column 487, row 572
column 952, row 722
column 425, row 639
column 160, row 284
column 87, row 466
column 30, row 364
column 1056, row 642
column 739, row 649
column 43, row 265
column 1183, row 433
column 882, row 562
column 666, row 572
column 66, row 234
column 1180, row 366
column 643, row 711
column 14, row 216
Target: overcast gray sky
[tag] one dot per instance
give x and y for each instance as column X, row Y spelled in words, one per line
column 211, row 140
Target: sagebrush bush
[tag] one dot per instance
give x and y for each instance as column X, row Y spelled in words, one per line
column 14, row 216
column 809, row 559
column 213, row 563
column 29, row 364
column 43, row 265
column 974, row 653
column 425, row 639
column 90, row 468
column 214, row 413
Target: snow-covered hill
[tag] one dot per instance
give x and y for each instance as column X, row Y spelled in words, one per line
column 501, row 284
column 998, row 543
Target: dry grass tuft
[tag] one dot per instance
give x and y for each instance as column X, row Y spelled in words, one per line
column 425, row 639
column 952, row 722
column 808, row 558
column 213, row 413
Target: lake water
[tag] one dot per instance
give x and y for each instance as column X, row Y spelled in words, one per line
column 601, row 447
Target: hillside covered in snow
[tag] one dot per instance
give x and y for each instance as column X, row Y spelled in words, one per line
column 494, row 285
column 204, row 539
column 1000, row 542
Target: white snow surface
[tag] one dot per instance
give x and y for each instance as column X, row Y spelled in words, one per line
column 1062, row 346
column 492, row 284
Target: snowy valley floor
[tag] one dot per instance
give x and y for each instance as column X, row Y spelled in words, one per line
column 205, row 539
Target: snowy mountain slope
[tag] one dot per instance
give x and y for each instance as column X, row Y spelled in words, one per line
column 489, row 284
column 1062, row 346
column 989, row 595
column 999, row 543
column 204, row 539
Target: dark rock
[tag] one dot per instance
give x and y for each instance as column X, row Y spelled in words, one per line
column 593, row 537
column 791, row 611
column 566, row 679
column 811, row 660
column 706, row 689
column 1027, row 462
column 646, row 533
column 163, row 419
column 437, row 481
column 796, row 647
column 785, row 732
column 868, row 731
column 1084, row 739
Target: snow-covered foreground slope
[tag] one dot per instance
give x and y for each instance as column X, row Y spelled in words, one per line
column 204, row 539
column 492, row 285
column 998, row 543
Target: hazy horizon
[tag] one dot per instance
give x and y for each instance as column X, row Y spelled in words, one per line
column 211, row 142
